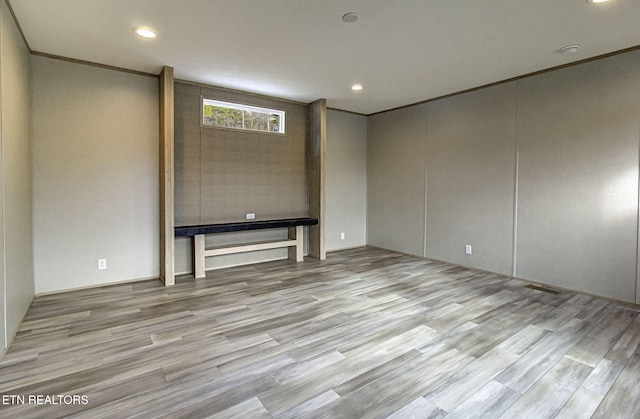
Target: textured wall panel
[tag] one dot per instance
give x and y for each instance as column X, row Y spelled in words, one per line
column 295, row 202
column 578, row 191
column 95, row 175
column 16, row 260
column 396, row 180
column 223, row 174
column 241, row 173
column 471, row 161
column 187, row 154
column 346, row 180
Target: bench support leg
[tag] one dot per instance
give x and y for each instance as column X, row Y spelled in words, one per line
column 297, row 252
column 198, row 256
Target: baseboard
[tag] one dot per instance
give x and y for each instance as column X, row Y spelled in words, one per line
column 106, row 284
column 347, row 248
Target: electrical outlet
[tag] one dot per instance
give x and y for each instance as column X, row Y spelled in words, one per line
column 342, row 236
column 251, row 216
column 468, row 249
column 102, row 264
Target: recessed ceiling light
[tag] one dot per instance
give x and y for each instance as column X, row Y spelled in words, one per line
column 356, row 87
column 145, row 33
column 350, row 17
column 597, row 1
column 570, row 49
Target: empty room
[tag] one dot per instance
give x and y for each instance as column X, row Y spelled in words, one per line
column 322, row 209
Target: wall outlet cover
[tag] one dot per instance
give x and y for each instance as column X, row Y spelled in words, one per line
column 251, row 216
column 102, row 264
column 468, row 249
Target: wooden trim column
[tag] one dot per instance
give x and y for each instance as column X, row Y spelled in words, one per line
column 166, row 177
column 316, row 175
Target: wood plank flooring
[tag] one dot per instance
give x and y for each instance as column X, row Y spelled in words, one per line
column 367, row 333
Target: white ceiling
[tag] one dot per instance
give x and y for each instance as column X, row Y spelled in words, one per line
column 402, row 51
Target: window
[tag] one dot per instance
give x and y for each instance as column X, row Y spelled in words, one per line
column 216, row 113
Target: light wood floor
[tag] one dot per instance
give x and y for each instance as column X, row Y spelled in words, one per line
column 366, row 333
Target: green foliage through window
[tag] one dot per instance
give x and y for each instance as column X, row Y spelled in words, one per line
column 216, row 113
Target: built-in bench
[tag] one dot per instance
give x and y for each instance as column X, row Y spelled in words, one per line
column 295, row 241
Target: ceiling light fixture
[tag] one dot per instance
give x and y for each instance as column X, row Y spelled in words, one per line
column 350, row 17
column 570, row 49
column 596, row 1
column 356, row 87
column 145, row 33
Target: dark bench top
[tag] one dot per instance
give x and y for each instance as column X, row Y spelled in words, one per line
column 243, row 226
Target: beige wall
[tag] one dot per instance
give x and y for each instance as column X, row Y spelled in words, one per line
column 396, row 162
column 95, row 161
column 578, row 138
column 346, row 177
column 550, row 161
column 471, row 155
column 16, row 259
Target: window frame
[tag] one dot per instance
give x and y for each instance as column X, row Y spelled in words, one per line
column 246, row 107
